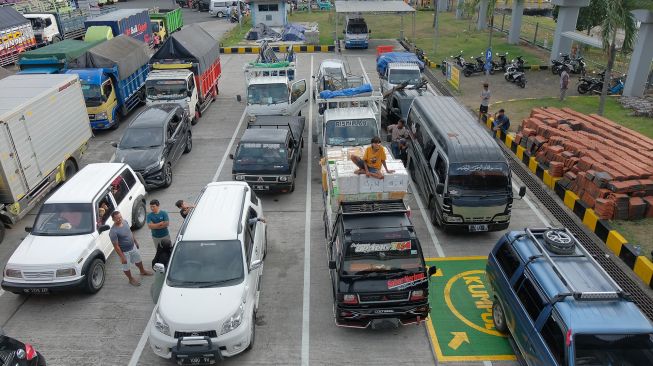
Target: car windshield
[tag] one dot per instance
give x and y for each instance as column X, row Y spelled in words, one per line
column 351, row 132
column 63, row 219
column 356, row 28
column 479, row 177
column 399, row 76
column 206, row 264
column 142, row 138
column 92, row 94
column 614, row 349
column 259, row 153
column 381, row 256
column 165, row 89
column 267, row 94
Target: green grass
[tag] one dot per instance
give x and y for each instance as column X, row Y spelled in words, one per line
column 637, row 233
column 237, row 34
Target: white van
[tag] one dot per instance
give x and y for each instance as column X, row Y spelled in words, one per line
column 220, row 8
column 207, row 305
column 69, row 242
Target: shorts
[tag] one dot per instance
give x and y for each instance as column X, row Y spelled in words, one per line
column 483, row 108
column 361, row 164
column 133, row 256
column 157, row 241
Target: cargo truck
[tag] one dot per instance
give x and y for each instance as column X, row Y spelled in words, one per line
column 186, row 69
column 54, row 58
column 113, row 77
column 16, row 35
column 270, row 91
column 134, row 23
column 396, row 68
column 164, row 23
column 52, row 27
column 44, row 134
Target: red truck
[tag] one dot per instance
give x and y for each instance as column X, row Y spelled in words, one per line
column 186, row 69
column 16, row 35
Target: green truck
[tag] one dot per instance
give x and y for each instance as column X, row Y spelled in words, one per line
column 54, row 58
column 165, row 22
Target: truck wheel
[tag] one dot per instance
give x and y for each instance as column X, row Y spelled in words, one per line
column 167, row 175
column 94, row 276
column 69, row 169
column 138, row 214
column 116, row 122
column 189, row 143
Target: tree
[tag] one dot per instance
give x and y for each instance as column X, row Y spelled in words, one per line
column 588, row 16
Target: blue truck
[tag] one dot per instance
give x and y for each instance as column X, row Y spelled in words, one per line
column 134, row 23
column 112, row 75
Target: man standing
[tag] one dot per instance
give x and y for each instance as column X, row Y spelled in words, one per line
column 374, row 157
column 398, row 132
column 564, row 83
column 126, row 246
column 485, row 102
column 158, row 222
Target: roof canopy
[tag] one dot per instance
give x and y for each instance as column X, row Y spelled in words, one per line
column 582, row 38
column 361, row 6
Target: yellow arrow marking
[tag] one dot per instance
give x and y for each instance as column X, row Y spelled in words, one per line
column 458, row 339
column 438, row 273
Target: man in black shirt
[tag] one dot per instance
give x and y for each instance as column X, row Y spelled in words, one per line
column 184, row 207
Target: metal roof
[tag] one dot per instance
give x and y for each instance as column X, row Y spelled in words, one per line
column 456, row 130
column 355, row 6
column 582, row 38
column 86, row 184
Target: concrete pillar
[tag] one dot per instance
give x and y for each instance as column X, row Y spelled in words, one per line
column 442, row 5
column 567, row 17
column 515, row 24
column 482, row 15
column 459, row 8
column 640, row 60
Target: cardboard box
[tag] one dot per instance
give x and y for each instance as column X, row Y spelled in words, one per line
column 369, row 184
column 397, row 181
column 347, row 181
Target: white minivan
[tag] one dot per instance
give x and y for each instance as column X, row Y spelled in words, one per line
column 207, row 304
column 69, row 242
column 220, row 8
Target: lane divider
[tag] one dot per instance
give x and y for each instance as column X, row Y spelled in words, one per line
column 282, row 48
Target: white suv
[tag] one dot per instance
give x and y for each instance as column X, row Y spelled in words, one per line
column 208, row 301
column 69, row 242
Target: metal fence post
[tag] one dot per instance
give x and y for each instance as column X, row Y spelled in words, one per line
column 537, row 25
column 503, row 20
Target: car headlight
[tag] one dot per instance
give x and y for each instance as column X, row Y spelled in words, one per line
column 101, row 115
column 14, row 273
column 239, row 177
column 283, row 178
column 66, row 272
column 501, row 217
column 161, row 324
column 234, row 321
column 157, row 165
column 448, row 218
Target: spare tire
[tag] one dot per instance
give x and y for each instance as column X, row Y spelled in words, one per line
column 559, row 242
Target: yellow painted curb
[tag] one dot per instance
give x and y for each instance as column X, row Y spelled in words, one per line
column 615, row 241
column 570, row 199
column 546, row 178
column 532, row 164
column 644, row 269
column 520, row 152
column 590, row 219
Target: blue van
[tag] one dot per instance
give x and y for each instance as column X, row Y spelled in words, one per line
column 560, row 306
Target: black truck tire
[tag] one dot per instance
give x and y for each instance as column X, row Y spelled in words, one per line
column 69, row 169
column 559, row 242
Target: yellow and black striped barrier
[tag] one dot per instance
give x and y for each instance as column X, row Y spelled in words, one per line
column 295, row 48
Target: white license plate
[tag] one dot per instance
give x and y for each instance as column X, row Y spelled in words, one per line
column 478, row 228
column 261, row 188
column 36, row 290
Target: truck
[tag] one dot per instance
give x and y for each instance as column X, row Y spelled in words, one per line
column 186, row 69
column 112, row 75
column 271, row 92
column 52, row 27
column 396, row 68
column 268, row 154
column 44, row 135
column 357, row 35
column 16, row 35
column 375, row 260
column 134, row 23
column 53, row 58
column 164, row 23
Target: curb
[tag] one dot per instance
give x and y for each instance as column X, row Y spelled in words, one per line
column 641, row 265
column 295, row 48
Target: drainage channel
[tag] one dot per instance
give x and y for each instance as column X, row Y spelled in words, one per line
column 589, row 241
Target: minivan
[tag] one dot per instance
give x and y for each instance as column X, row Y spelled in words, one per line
column 458, row 167
column 208, row 301
column 560, row 306
column 68, row 245
column 221, row 8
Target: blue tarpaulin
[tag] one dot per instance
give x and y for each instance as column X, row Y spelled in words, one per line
column 328, row 94
column 385, row 58
column 293, row 32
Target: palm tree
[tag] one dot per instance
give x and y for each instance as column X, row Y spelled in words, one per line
column 618, row 16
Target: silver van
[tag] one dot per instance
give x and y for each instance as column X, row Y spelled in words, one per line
column 221, row 8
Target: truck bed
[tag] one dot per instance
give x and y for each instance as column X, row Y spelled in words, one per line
column 296, row 124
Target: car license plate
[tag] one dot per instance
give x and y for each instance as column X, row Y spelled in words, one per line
column 36, row 290
column 261, row 188
column 478, row 228
column 195, row 360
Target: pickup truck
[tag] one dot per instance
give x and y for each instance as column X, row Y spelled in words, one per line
column 271, row 92
column 269, row 152
column 52, row 27
column 396, row 68
column 53, row 58
column 16, row 35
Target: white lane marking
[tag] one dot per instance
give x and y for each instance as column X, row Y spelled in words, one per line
column 2, row 292
column 427, row 220
column 487, row 363
column 136, row 355
column 306, row 307
column 231, row 144
column 534, row 208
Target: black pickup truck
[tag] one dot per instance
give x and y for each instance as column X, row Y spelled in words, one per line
column 377, row 267
column 269, row 152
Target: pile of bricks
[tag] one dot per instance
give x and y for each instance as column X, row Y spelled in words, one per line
column 641, row 106
column 608, row 166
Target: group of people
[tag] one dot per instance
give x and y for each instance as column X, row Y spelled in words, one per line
column 500, row 120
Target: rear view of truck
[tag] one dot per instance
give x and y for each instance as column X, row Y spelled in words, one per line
column 43, row 135
column 53, row 58
column 133, row 23
column 16, row 35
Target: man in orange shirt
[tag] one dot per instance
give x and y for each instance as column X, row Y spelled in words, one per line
column 374, row 157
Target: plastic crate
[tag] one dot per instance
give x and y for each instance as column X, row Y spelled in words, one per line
column 383, row 49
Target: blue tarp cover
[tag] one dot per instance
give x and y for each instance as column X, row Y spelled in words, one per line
column 385, row 58
column 293, row 32
column 328, row 94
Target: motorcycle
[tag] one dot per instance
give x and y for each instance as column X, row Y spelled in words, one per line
column 515, row 72
column 460, row 61
column 594, row 85
column 474, row 67
column 420, row 54
column 499, row 66
column 574, row 65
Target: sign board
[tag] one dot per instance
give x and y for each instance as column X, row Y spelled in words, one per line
column 454, row 80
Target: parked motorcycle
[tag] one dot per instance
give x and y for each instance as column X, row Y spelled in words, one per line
column 574, row 65
column 474, row 67
column 459, row 60
column 420, row 54
column 515, row 72
column 501, row 65
column 590, row 84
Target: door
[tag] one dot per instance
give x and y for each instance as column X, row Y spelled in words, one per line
column 104, row 207
column 254, row 249
column 194, row 96
column 528, row 305
column 175, row 138
column 25, row 155
column 439, row 164
column 298, row 97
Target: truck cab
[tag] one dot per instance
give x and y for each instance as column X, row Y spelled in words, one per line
column 398, row 73
column 158, row 31
column 357, row 35
column 46, row 29
column 276, row 95
column 100, row 97
column 376, row 266
column 354, row 126
column 170, row 86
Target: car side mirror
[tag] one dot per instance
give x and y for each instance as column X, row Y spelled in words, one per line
column 114, row 143
column 231, row 156
column 189, row 93
column 369, row 31
column 238, row 98
column 103, row 228
column 255, row 265
column 172, row 140
column 432, row 270
column 28, row 229
column 332, row 264
column 439, row 189
column 522, row 191
column 159, row 268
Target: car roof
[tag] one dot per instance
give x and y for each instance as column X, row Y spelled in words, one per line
column 268, row 80
column 84, row 186
column 265, row 135
column 332, row 64
column 590, row 316
column 154, row 116
column 405, row 65
column 217, row 213
column 376, row 220
column 347, row 113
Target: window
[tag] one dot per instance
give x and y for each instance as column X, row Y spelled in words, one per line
column 428, row 147
column 105, row 208
column 206, row 264
column 554, row 338
column 440, row 168
column 62, row 219
column 191, row 84
column 530, row 299
column 507, row 258
column 106, row 89
column 253, row 198
column 128, row 177
column 268, row 7
column 119, row 189
column 172, row 126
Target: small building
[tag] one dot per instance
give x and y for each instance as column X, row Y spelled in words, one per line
column 272, row 13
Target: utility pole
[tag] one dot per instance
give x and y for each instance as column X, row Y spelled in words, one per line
column 435, row 25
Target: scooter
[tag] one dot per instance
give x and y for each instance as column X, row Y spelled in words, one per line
column 501, row 65
column 460, row 61
column 234, row 17
column 474, row 67
column 595, row 84
column 515, row 72
column 575, row 65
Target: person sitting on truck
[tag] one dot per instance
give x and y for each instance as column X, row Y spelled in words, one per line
column 501, row 121
column 374, row 157
column 398, row 132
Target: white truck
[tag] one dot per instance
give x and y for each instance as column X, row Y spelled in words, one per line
column 396, row 68
column 55, row 26
column 271, row 92
column 45, row 131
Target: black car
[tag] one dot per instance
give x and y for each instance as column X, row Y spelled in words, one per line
column 154, row 142
column 15, row 353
